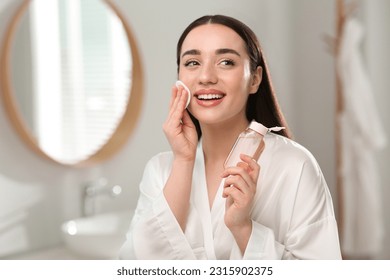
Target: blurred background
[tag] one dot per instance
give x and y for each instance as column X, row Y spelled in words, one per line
column 51, row 207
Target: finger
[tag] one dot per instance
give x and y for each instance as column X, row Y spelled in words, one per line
column 174, row 101
column 178, row 107
column 172, row 122
column 174, row 119
column 234, row 193
column 241, row 172
column 173, row 96
column 183, row 98
column 233, row 170
column 234, row 196
column 253, row 168
column 248, row 164
column 240, row 184
column 186, row 120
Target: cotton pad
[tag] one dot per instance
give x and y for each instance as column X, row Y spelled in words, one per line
column 180, row 83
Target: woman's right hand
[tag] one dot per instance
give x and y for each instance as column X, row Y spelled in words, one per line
column 179, row 128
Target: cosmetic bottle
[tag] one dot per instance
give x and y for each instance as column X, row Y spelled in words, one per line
column 250, row 142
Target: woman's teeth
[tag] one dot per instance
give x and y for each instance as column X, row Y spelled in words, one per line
column 209, row 96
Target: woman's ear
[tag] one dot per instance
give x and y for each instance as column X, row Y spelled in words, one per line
column 256, row 80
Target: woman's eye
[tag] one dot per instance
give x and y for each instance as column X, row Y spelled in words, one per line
column 191, row 63
column 227, row 62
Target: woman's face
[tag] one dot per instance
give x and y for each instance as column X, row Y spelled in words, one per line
column 215, row 66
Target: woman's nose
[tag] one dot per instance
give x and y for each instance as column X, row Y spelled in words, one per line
column 208, row 74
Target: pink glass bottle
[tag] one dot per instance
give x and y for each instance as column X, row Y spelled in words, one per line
column 249, row 142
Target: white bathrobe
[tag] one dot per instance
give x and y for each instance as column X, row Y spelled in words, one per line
column 292, row 216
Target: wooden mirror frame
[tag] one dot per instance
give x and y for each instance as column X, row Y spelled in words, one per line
column 123, row 130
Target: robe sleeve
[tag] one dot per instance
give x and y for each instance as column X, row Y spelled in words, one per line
column 261, row 245
column 312, row 232
column 154, row 232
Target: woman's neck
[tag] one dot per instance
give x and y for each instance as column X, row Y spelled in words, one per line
column 217, row 140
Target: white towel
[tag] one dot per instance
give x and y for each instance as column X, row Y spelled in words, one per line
column 362, row 135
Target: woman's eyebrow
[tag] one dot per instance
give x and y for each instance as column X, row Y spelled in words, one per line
column 191, row 52
column 218, row 52
column 226, row 50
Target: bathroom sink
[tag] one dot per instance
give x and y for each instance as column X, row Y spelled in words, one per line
column 97, row 237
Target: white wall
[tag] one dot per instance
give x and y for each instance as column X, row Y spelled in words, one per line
column 291, row 34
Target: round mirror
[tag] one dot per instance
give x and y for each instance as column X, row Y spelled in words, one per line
column 71, row 79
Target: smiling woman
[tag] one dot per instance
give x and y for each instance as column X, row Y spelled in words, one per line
column 192, row 206
column 71, row 79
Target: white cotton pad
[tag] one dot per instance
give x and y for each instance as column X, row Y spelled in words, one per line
column 180, row 83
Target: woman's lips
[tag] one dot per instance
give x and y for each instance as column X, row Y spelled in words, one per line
column 209, row 97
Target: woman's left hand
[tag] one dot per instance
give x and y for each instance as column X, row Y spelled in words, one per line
column 239, row 191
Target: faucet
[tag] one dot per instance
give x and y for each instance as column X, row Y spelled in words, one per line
column 94, row 189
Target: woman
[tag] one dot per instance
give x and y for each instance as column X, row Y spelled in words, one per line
column 191, row 207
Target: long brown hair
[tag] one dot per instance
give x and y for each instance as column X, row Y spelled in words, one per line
column 262, row 106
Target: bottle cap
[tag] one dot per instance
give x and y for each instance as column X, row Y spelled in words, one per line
column 258, row 127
